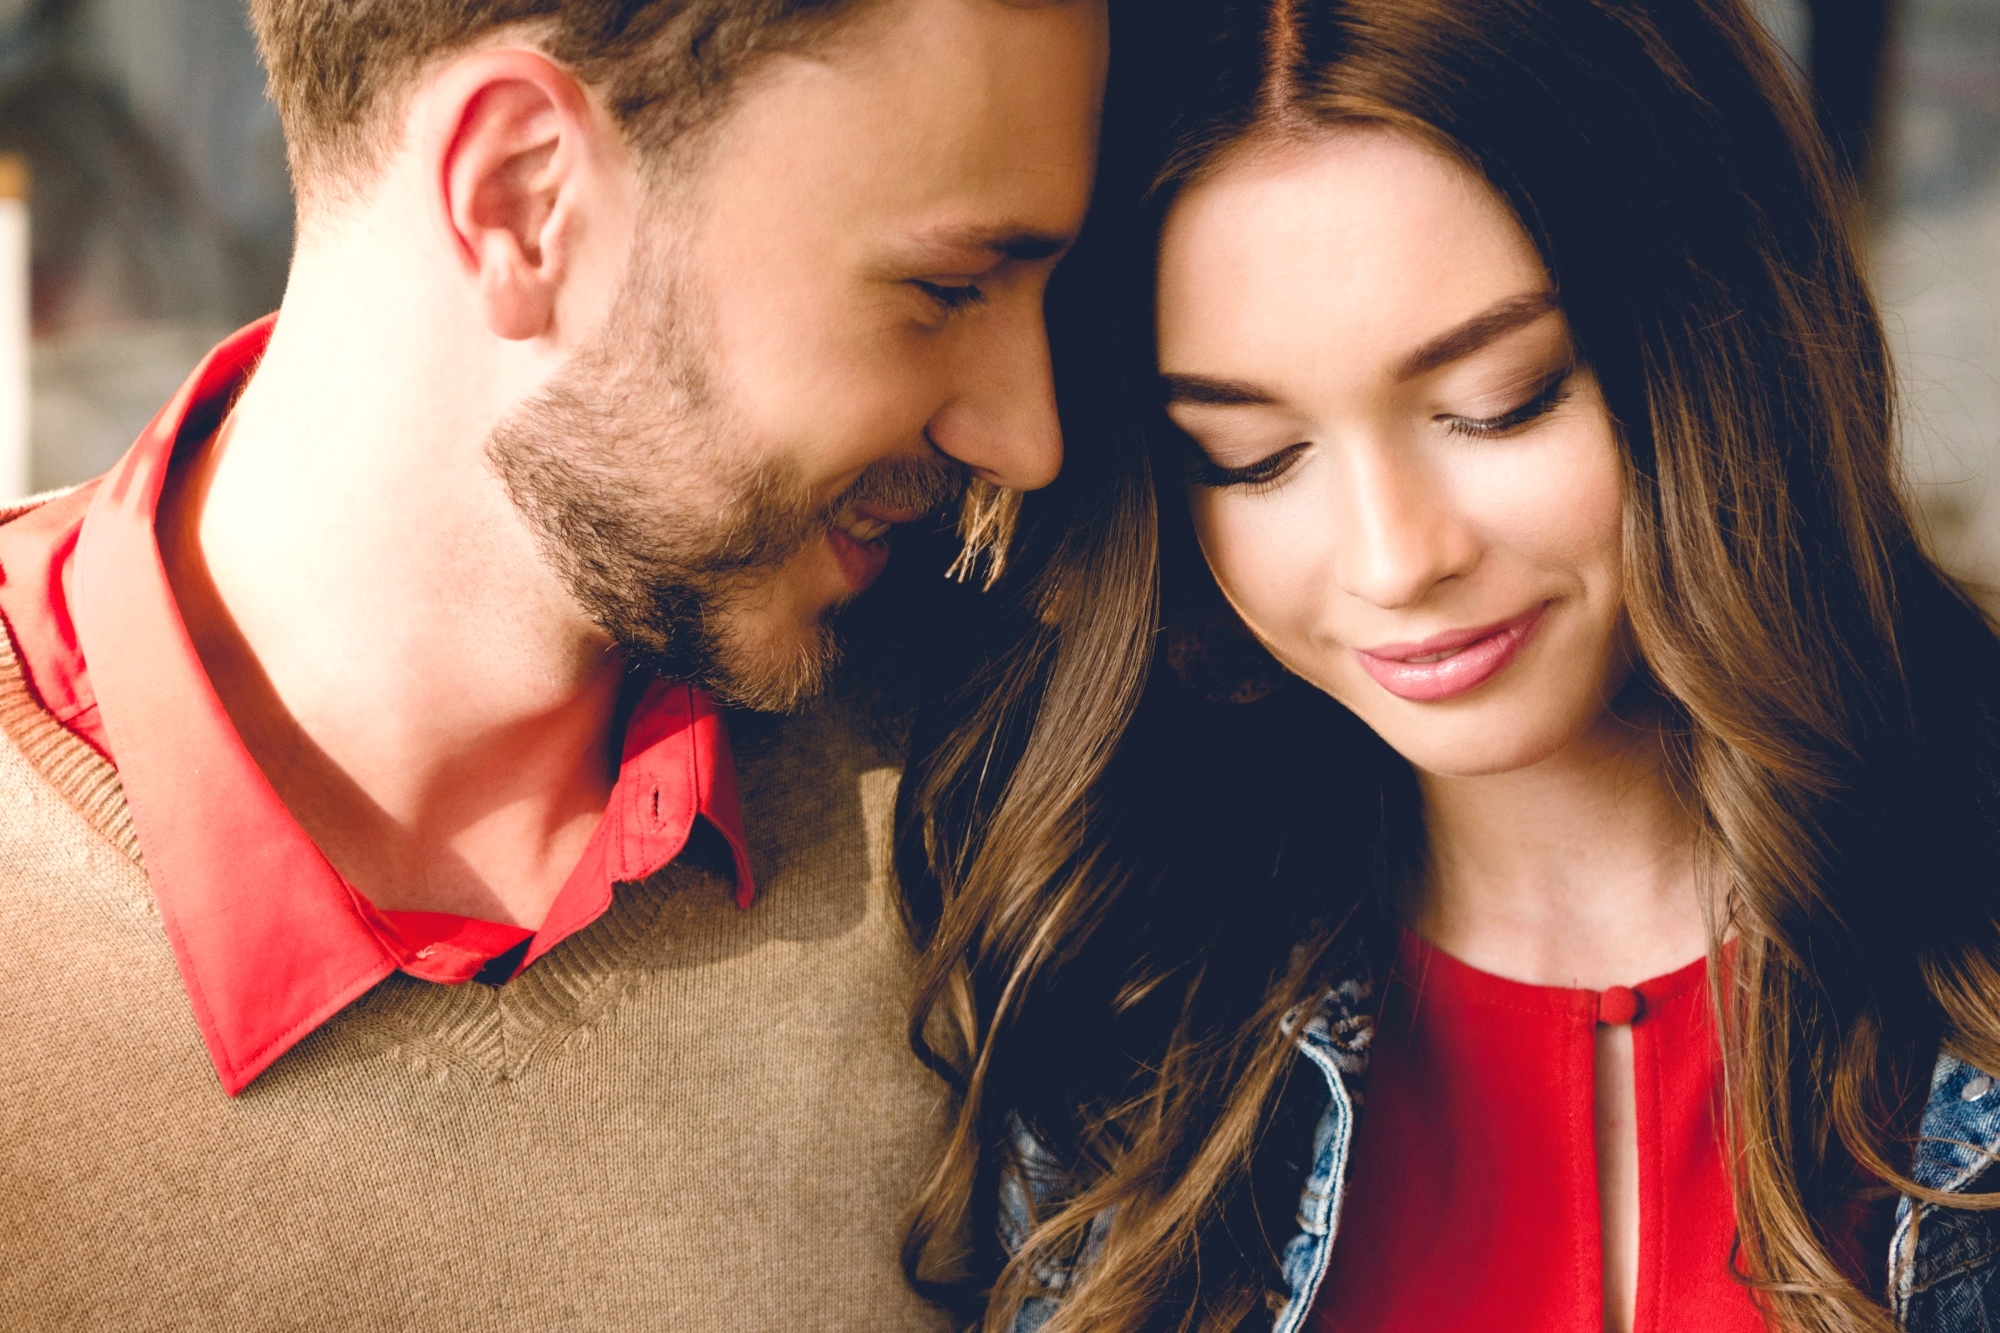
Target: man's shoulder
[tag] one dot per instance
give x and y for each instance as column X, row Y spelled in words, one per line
column 54, row 787
column 46, row 517
column 67, row 845
column 859, row 720
column 804, row 770
column 36, row 537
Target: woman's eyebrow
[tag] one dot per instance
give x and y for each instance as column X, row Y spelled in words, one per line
column 1497, row 320
column 1213, row 392
column 1475, row 333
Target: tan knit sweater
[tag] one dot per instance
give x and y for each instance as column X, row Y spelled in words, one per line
column 685, row 1117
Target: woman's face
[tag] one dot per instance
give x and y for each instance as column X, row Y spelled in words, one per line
column 1404, row 483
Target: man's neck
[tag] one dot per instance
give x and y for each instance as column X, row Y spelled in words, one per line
column 376, row 619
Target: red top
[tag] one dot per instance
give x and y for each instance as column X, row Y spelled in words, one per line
column 1473, row 1201
column 270, row 940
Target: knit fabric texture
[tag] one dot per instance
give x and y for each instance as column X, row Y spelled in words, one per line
column 687, row 1116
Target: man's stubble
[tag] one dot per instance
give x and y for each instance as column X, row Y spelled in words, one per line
column 666, row 527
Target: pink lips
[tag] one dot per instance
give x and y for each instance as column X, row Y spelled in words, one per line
column 1450, row 664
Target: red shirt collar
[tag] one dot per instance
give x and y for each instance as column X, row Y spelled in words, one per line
column 271, row 941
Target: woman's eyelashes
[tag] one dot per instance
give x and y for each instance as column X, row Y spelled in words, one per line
column 950, row 297
column 1550, row 394
column 1205, row 471
column 1546, row 399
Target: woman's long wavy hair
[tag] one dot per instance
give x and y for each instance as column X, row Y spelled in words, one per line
column 1124, row 886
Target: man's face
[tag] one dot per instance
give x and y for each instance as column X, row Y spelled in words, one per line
column 825, row 332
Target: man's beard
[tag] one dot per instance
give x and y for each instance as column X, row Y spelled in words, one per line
column 630, row 474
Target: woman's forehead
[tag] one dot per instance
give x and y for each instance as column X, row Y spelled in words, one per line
column 1362, row 244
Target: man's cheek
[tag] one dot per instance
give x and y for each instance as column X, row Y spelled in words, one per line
column 839, row 411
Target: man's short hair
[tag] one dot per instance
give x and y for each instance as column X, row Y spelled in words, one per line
column 339, row 68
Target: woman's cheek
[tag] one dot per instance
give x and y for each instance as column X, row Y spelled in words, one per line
column 1264, row 559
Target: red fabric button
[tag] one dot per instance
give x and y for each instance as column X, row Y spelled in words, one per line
column 1503, row 1073
column 1618, row 1006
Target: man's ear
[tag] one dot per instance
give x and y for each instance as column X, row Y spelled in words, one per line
column 516, row 159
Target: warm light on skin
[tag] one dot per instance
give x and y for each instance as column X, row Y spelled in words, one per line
column 1362, row 343
column 416, row 677
column 1307, row 279
column 875, row 235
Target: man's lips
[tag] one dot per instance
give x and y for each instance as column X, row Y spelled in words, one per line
column 859, row 539
column 1447, row 665
column 874, row 520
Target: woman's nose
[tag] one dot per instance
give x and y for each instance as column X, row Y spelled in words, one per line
column 1397, row 534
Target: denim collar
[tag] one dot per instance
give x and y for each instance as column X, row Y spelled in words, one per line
column 1959, row 1139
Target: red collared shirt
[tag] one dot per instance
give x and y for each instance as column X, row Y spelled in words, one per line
column 270, row 940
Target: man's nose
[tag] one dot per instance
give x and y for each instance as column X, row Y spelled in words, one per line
column 1398, row 534
column 1000, row 420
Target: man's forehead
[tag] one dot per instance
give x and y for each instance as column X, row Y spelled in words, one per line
column 964, row 127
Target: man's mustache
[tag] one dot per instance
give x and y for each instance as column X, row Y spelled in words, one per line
column 771, row 531
column 924, row 486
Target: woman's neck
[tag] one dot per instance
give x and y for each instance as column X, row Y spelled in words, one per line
column 1578, row 871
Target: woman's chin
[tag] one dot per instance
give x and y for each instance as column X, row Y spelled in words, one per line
column 1473, row 742
column 1477, row 757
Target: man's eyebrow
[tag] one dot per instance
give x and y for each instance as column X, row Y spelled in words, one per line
column 1029, row 246
column 1475, row 333
column 1213, row 392
column 1023, row 244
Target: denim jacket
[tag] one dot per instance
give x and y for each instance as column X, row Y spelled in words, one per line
column 1943, row 1264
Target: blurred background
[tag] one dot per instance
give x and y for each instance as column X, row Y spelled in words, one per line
column 159, row 210
column 159, row 218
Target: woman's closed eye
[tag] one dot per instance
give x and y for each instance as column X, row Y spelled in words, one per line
column 1547, row 398
column 1267, row 471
